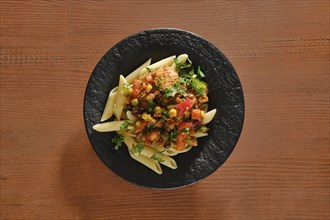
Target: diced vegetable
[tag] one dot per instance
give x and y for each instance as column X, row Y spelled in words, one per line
column 196, row 114
column 172, row 112
column 184, row 106
column 136, row 89
column 181, row 141
column 185, row 125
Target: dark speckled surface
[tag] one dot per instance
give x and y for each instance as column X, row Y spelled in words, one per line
column 225, row 94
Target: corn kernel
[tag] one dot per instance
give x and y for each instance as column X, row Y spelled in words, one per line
column 149, row 88
column 147, row 117
column 137, row 124
column 172, row 113
column 158, row 110
column 134, row 102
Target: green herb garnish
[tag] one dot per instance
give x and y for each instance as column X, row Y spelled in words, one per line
column 185, row 130
column 165, row 113
column 182, row 65
column 138, row 148
column 170, row 92
column 199, row 73
column 158, row 157
column 198, row 85
column 124, row 125
column 180, row 89
column 118, row 141
column 176, row 88
column 127, row 86
column 173, row 134
column 149, row 69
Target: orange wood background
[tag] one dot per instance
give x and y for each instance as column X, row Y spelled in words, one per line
column 280, row 167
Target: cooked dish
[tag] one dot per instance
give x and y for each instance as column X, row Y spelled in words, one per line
column 160, row 109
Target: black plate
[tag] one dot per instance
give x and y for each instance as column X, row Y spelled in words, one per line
column 225, row 94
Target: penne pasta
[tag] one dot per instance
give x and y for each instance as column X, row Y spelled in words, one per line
column 181, row 59
column 108, row 109
column 209, row 116
column 171, row 152
column 129, row 141
column 201, row 134
column 130, row 116
column 158, row 147
column 164, row 62
column 135, row 74
column 120, row 98
column 148, row 162
column 109, row 126
column 167, row 161
column 185, row 150
column 156, row 121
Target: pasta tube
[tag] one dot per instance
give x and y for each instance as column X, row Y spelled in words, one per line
column 209, row 116
column 135, row 74
column 110, row 126
column 108, row 110
column 201, row 134
column 185, row 150
column 164, row 62
column 120, row 98
column 148, row 162
column 130, row 116
column 166, row 160
column 181, row 59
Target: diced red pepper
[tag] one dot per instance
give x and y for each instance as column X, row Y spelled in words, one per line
column 196, row 114
column 181, row 141
column 136, row 88
column 185, row 125
column 184, row 106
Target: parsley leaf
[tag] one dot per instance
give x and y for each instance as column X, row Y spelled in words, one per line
column 180, row 89
column 176, row 88
column 118, row 140
column 127, row 86
column 199, row 86
column 137, row 148
column 124, row 125
column 182, row 65
column 158, row 157
column 199, row 73
column 185, row 130
column 149, row 69
column 181, row 80
column 173, row 134
column 170, row 92
column 165, row 113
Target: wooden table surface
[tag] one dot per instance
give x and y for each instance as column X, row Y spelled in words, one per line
column 279, row 168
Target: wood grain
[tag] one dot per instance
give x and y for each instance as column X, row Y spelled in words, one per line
column 280, row 167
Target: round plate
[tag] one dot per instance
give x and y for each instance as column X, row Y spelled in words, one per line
column 225, row 94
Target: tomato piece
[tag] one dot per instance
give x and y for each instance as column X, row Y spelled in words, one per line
column 196, row 114
column 181, row 141
column 185, row 125
column 185, row 105
column 136, row 88
column 149, row 78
